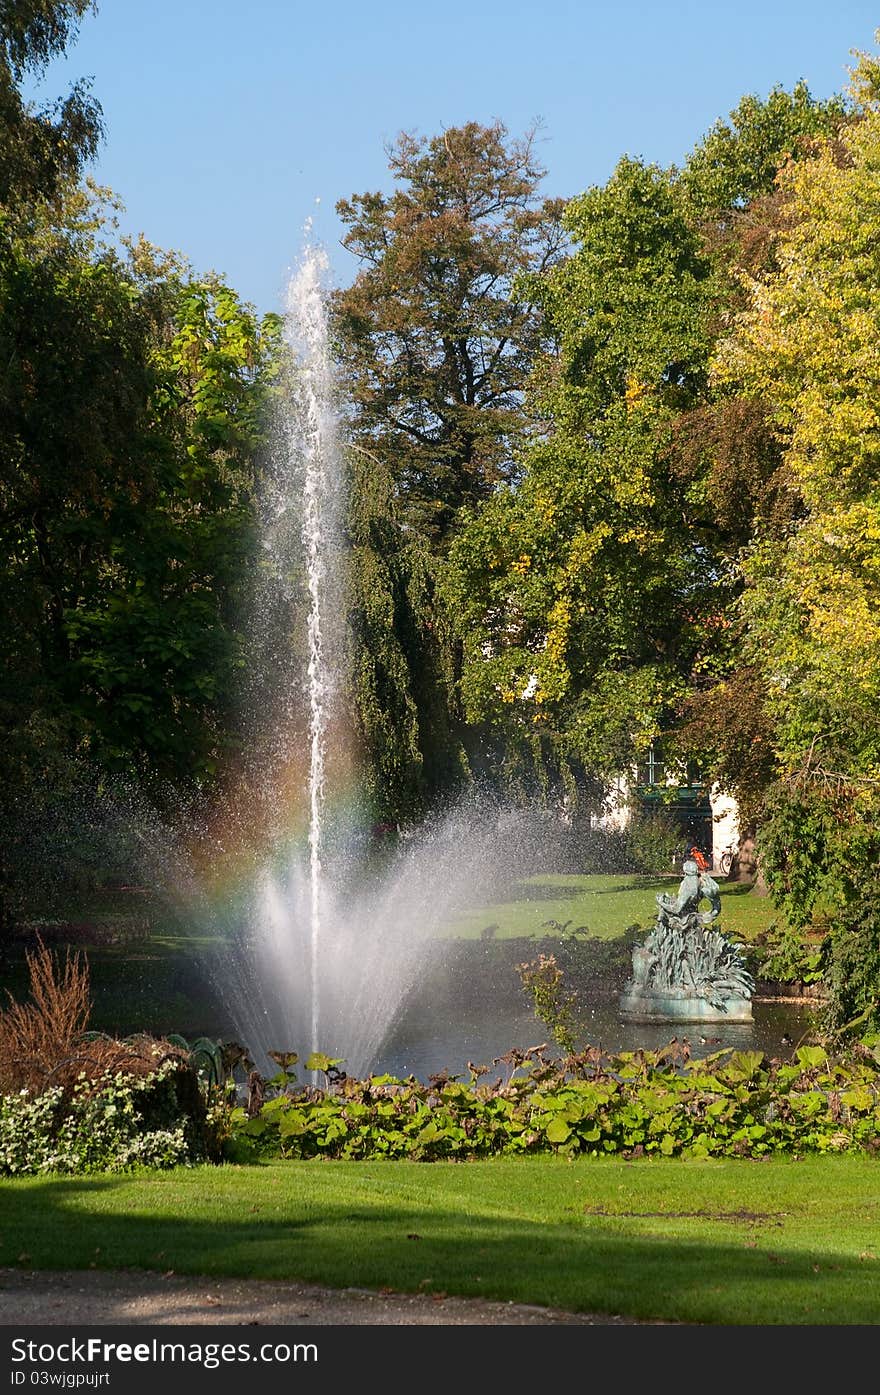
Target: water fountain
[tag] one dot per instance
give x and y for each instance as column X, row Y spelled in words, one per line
column 325, row 942
column 324, row 945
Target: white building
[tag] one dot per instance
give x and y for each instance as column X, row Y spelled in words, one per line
column 708, row 817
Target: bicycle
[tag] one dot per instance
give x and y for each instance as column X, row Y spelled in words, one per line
column 727, row 859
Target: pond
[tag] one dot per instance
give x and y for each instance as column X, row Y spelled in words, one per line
column 469, row 1005
column 473, row 1008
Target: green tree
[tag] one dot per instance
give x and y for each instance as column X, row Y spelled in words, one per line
column 436, row 336
column 41, row 150
column 132, row 415
column 402, row 656
column 597, row 594
column 807, row 345
column 156, row 643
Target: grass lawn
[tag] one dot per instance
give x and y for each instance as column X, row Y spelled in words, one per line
column 723, row 1242
column 606, row 905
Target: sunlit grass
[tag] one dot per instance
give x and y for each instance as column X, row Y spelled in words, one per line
column 605, row 905
column 784, row 1241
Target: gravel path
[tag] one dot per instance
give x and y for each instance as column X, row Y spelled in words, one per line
column 123, row 1297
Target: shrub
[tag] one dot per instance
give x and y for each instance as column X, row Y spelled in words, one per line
column 787, row 955
column 852, row 966
column 554, row 1004
column 36, row 1036
column 730, row 1104
column 653, row 839
column 74, row 1101
column 604, row 851
column 44, row 1043
column 115, row 1124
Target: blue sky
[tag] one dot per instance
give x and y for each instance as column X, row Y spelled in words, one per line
column 228, row 119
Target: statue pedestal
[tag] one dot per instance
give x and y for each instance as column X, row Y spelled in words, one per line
column 640, row 1005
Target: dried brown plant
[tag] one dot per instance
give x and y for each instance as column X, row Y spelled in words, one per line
column 44, row 1042
column 35, row 1036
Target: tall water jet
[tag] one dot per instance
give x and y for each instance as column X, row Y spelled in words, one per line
column 303, row 517
column 313, row 445
column 327, row 934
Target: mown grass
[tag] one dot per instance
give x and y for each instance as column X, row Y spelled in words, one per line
column 606, row 905
column 723, row 1242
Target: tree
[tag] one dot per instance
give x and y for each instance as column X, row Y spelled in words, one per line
column 436, row 336
column 41, row 150
column 807, row 345
column 402, row 656
column 132, row 415
column 155, row 643
column 597, row 594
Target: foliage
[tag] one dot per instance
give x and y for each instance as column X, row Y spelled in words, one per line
column 555, row 1005
column 132, row 416
column 40, row 150
column 115, row 1124
column 435, row 339
column 74, row 1101
column 565, row 585
column 596, row 599
column 664, row 1103
column 805, row 345
column 787, row 955
column 736, row 162
column 435, row 342
column 36, row 1036
column 653, row 839
column 852, row 959
column 402, row 654
column 156, row 646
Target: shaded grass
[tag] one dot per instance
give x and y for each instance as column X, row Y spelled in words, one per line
column 606, row 905
column 781, row 1242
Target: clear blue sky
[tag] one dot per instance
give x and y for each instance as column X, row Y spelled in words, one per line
column 228, row 119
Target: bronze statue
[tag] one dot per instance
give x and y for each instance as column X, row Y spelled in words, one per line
column 685, row 969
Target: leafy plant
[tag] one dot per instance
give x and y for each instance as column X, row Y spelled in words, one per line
column 554, row 1004
column 652, row 840
column 664, row 1102
column 115, row 1124
column 852, row 955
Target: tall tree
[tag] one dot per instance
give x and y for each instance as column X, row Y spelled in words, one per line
column 806, row 346
column 595, row 595
column 131, row 419
column 436, row 337
column 402, row 651
column 41, row 150
column 436, row 334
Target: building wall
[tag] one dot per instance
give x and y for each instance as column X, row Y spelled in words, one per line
column 618, row 813
column 725, row 823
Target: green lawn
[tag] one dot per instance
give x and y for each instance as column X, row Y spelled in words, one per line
column 723, row 1242
column 606, row 905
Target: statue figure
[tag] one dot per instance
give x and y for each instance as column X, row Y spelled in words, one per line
column 695, row 886
column 685, row 969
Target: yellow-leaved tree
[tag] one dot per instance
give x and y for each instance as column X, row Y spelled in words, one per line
column 808, row 346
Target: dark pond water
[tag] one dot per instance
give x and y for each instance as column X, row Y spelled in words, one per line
column 473, row 1008
column 470, row 1006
